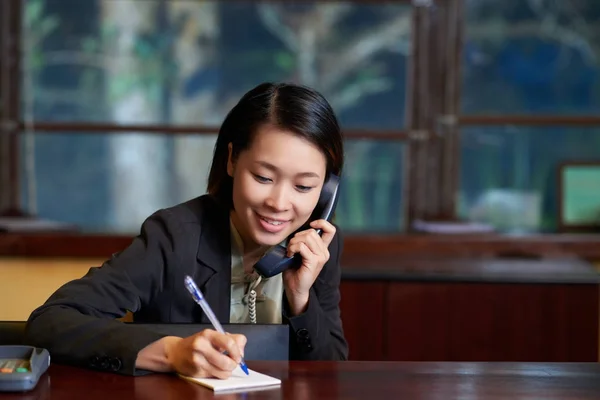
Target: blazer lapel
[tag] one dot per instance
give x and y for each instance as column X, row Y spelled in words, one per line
column 214, row 259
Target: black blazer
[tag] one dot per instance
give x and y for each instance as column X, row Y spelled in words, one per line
column 78, row 323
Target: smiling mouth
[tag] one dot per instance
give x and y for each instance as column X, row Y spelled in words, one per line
column 275, row 222
column 270, row 225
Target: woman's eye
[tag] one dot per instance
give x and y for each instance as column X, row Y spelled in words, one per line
column 303, row 188
column 261, row 179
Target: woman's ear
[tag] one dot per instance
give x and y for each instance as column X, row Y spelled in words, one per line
column 230, row 160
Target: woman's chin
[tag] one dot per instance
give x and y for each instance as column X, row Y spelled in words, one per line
column 269, row 239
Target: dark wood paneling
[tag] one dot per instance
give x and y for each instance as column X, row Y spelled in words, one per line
column 565, row 270
column 363, row 307
column 492, row 322
column 581, row 245
column 396, row 246
column 418, row 322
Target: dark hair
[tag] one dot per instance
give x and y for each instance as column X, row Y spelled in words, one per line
column 291, row 107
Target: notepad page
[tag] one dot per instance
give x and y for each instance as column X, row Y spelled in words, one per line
column 237, row 381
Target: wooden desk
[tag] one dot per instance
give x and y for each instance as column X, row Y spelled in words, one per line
column 342, row 380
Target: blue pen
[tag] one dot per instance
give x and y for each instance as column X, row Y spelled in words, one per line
column 199, row 298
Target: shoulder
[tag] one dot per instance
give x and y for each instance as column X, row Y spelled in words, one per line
column 184, row 220
column 192, row 212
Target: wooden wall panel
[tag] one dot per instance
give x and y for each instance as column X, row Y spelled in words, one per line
column 418, row 323
column 492, row 322
column 397, row 246
column 363, row 307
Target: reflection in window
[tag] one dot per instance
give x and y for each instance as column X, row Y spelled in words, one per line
column 509, row 174
column 111, row 182
column 371, row 191
column 188, row 62
column 536, row 57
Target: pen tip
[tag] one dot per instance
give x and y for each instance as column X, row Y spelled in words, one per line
column 244, row 368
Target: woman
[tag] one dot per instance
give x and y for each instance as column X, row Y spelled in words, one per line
column 274, row 151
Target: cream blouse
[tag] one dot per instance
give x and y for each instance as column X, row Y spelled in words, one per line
column 253, row 299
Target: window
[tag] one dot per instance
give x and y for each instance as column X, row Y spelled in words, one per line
column 525, row 57
column 186, row 63
column 530, row 101
column 119, row 101
column 509, row 174
column 109, row 183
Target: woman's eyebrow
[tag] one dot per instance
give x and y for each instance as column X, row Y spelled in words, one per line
column 273, row 168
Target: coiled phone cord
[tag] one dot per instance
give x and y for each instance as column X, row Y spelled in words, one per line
column 251, row 299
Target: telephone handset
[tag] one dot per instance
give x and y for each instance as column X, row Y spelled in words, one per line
column 276, row 259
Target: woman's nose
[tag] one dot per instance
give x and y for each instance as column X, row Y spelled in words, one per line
column 278, row 199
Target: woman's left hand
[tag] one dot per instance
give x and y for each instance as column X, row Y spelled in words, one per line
column 314, row 251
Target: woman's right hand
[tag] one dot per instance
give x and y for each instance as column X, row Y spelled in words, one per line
column 201, row 355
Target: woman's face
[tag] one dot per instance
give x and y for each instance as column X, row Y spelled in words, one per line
column 276, row 186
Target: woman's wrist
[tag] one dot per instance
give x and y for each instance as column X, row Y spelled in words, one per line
column 170, row 346
column 298, row 302
column 158, row 355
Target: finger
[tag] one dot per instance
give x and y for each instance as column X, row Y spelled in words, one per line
column 299, row 236
column 241, row 341
column 327, row 228
column 212, row 345
column 207, row 369
column 296, row 247
column 196, row 366
column 219, row 364
column 324, row 251
column 201, row 367
column 316, row 245
column 304, row 236
column 208, row 345
column 310, row 259
column 226, row 343
column 293, row 248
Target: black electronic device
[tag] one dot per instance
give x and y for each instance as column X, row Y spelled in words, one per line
column 21, row 367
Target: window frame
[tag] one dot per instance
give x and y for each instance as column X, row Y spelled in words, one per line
column 432, row 136
column 9, row 109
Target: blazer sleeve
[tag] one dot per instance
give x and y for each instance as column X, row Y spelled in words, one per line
column 317, row 334
column 78, row 323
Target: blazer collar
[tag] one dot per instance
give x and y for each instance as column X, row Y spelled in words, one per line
column 214, row 258
column 214, row 248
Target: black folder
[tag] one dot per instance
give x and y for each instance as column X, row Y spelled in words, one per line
column 265, row 341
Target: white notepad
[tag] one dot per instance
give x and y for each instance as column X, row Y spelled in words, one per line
column 237, row 381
